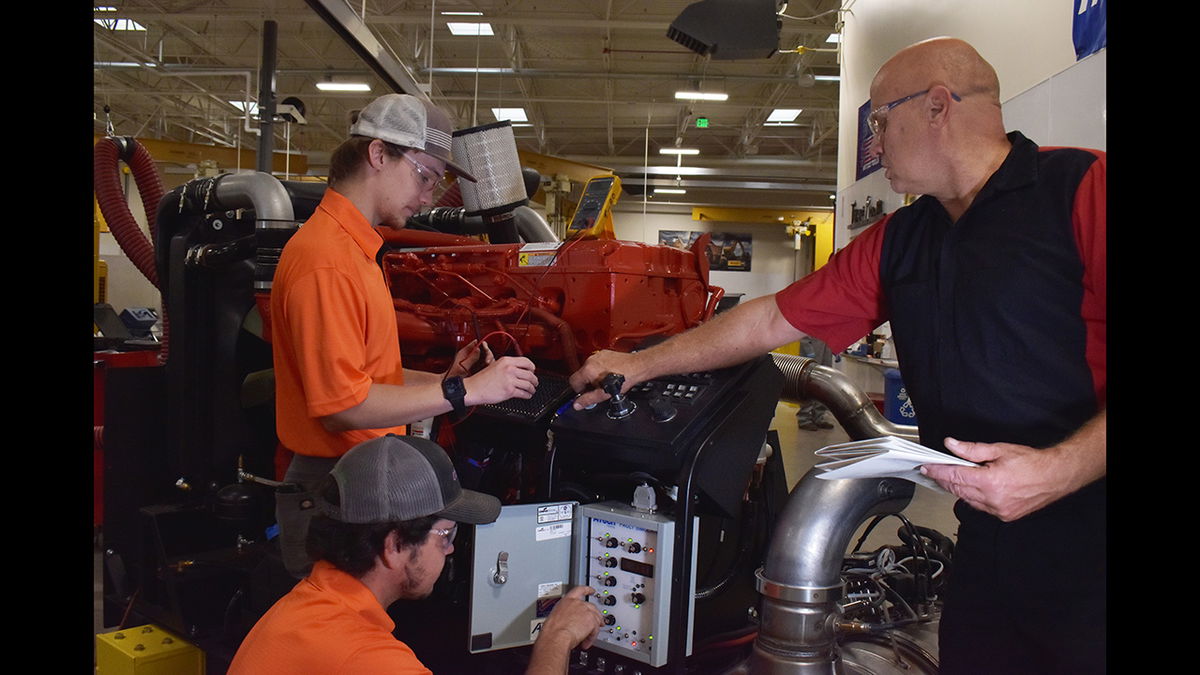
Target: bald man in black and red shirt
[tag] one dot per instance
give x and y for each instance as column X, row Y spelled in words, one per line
column 994, row 282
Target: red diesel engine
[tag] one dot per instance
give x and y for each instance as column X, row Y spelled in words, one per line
column 555, row 303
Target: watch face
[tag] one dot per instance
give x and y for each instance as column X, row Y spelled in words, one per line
column 453, row 387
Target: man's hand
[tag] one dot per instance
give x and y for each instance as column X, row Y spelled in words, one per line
column 505, row 378
column 574, row 622
column 587, row 379
column 1016, row 480
column 467, row 357
column 573, row 619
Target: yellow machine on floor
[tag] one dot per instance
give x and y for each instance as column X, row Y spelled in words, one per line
column 146, row 650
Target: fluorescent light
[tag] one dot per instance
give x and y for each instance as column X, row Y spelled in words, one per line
column 461, row 13
column 122, row 64
column 120, row 24
column 241, row 105
column 784, row 114
column 828, row 78
column 701, row 96
column 510, row 114
column 834, row 38
column 679, row 151
column 457, row 28
column 670, row 191
column 343, row 86
column 452, row 71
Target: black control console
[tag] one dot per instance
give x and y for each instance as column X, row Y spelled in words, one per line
column 657, row 424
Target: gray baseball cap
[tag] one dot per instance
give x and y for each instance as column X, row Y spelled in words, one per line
column 393, row 478
column 412, row 122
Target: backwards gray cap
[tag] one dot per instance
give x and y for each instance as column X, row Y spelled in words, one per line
column 412, row 122
column 393, row 478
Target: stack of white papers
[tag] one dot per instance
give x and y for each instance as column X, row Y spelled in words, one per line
column 882, row 457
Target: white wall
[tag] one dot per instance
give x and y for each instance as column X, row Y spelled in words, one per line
column 1044, row 92
column 773, row 264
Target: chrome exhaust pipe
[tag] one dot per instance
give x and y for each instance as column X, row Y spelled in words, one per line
column 800, row 581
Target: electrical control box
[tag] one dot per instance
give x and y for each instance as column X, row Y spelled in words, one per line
column 534, row 553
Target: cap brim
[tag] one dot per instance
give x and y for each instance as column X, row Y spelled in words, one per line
column 475, row 508
column 460, row 172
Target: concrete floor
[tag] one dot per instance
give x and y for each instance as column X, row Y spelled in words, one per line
column 928, row 508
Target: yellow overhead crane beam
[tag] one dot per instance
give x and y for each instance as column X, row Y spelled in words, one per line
column 226, row 158
column 549, row 166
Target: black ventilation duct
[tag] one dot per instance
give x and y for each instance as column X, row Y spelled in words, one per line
column 729, row 29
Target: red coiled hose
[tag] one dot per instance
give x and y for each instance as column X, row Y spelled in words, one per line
column 111, row 198
column 106, row 181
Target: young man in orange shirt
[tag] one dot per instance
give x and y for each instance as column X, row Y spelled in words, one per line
column 338, row 375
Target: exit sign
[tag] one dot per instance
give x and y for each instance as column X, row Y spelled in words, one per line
column 701, row 122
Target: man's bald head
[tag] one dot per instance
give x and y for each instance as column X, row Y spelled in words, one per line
column 942, row 60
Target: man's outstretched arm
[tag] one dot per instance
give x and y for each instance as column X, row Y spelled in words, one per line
column 729, row 338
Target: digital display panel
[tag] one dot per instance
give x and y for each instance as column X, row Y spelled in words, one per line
column 637, row 567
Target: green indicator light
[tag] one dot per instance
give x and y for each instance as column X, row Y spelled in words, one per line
column 649, row 637
column 618, row 628
column 637, row 606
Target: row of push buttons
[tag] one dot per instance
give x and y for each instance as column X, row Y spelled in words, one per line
column 682, row 390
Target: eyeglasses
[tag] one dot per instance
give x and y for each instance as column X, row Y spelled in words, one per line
column 447, row 534
column 429, row 179
column 877, row 119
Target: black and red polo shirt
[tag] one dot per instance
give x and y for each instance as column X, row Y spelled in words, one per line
column 999, row 318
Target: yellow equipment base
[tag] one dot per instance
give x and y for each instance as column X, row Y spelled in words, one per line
column 146, row 650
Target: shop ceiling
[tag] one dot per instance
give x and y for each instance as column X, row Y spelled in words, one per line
column 597, row 80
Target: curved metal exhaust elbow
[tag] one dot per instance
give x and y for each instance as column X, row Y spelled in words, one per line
column 805, row 379
column 259, row 191
column 800, row 581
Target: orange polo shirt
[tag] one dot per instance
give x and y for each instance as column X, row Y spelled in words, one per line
column 333, row 328
column 329, row 623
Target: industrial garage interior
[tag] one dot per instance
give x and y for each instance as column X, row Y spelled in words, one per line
column 671, row 159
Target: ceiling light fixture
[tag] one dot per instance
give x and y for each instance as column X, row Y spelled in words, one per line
column 510, row 114
column 784, row 114
column 458, row 28
column 120, row 24
column 343, row 86
column 828, row 78
column 679, row 151
column 461, row 13
column 242, row 105
column 701, row 96
column 670, row 191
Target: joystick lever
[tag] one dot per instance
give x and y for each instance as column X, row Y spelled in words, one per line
column 619, row 405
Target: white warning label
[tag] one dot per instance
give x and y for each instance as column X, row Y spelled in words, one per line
column 554, row 512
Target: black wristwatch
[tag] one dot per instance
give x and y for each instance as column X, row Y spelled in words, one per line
column 455, row 392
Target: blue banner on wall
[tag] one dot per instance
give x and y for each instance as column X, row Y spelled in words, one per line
column 1090, row 27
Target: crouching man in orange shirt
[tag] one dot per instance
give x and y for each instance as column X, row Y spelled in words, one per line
column 387, row 515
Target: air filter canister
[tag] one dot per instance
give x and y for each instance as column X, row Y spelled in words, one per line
column 489, row 152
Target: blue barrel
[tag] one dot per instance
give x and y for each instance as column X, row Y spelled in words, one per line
column 896, row 405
